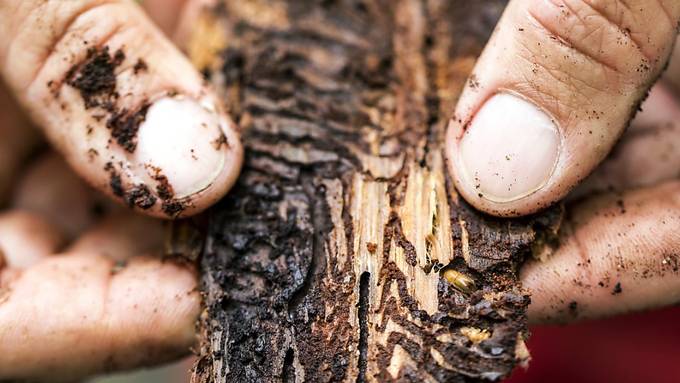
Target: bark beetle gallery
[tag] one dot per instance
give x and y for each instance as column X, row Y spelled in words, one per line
column 344, row 253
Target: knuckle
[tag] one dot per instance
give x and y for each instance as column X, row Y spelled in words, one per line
column 562, row 26
column 575, row 24
column 562, row 85
column 602, row 31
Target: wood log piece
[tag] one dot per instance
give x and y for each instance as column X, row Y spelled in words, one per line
column 344, row 253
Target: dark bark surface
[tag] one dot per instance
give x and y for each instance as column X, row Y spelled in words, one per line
column 343, row 253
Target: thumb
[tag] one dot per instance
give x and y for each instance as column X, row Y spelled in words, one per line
column 550, row 95
column 123, row 105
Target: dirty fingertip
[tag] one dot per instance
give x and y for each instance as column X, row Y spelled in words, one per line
column 128, row 111
column 188, row 149
column 508, row 150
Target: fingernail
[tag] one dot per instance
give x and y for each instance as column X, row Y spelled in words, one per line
column 509, row 149
column 182, row 144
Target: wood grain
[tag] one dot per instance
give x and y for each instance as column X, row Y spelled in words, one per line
column 344, row 253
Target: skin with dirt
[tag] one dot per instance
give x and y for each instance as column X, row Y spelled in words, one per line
column 95, row 80
column 344, row 253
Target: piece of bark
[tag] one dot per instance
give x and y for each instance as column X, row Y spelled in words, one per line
column 344, row 253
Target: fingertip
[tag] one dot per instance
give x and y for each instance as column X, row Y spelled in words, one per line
column 123, row 105
column 189, row 154
column 504, row 158
column 549, row 97
column 158, row 324
column 26, row 238
column 109, row 316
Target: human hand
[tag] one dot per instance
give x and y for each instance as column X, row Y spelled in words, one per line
column 550, row 96
column 81, row 294
column 126, row 109
column 585, row 307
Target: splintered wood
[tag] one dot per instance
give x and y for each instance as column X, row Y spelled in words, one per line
column 344, row 253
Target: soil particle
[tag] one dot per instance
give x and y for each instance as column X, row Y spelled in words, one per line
column 164, row 189
column 140, row 196
column 124, row 126
column 52, row 86
column 573, row 308
column 473, row 81
column 221, row 140
column 95, row 79
column 92, row 153
column 115, row 181
column 621, row 206
column 140, row 66
column 617, row 289
column 173, row 207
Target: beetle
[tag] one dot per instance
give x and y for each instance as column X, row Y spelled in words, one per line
column 462, row 282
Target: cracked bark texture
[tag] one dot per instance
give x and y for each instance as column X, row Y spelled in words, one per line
column 344, row 253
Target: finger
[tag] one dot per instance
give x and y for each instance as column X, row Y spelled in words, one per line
column 192, row 12
column 72, row 316
column 17, row 140
column 127, row 110
column 165, row 13
column 26, row 238
column 551, row 94
column 120, row 236
column 52, row 190
column 619, row 254
column 647, row 154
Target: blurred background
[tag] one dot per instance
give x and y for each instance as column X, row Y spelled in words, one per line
column 639, row 348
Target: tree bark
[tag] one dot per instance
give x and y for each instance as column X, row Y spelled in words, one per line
column 344, row 253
